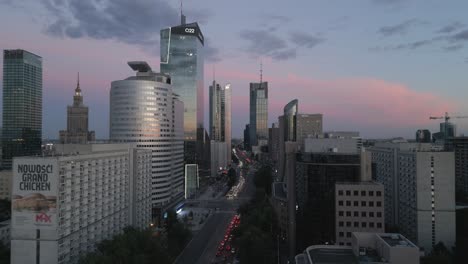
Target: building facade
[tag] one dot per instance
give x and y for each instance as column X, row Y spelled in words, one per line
column 77, row 121
column 64, row 205
column 182, row 58
column 22, row 105
column 258, row 112
column 220, row 115
column 423, row 136
column 359, row 208
column 218, row 157
column 146, row 113
column 247, row 145
column 192, row 181
column 459, row 145
column 5, row 184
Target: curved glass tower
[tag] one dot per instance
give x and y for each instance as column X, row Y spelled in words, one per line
column 145, row 112
column 290, row 112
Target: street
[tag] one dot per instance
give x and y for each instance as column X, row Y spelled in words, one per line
column 203, row 247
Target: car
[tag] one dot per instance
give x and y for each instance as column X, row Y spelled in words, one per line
column 219, row 253
column 222, row 244
column 228, row 248
column 233, row 251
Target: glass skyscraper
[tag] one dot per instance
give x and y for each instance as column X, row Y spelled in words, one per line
column 22, row 105
column 258, row 112
column 220, row 115
column 182, row 58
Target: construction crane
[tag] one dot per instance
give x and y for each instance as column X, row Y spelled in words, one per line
column 447, row 118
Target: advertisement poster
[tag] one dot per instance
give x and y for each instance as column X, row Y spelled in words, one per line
column 34, row 194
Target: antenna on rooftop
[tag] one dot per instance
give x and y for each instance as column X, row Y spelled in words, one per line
column 261, row 73
column 182, row 17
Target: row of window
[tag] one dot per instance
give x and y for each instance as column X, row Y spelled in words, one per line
column 356, row 193
column 363, row 214
column 363, row 224
column 363, row 203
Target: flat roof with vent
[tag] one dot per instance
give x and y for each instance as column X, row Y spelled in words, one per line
column 396, row 240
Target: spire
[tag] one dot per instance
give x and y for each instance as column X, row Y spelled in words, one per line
column 78, row 89
column 182, row 17
column 214, row 72
column 261, row 71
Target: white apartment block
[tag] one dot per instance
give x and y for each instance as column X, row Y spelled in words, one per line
column 419, row 183
column 359, row 208
column 426, row 198
column 63, row 205
column 5, row 184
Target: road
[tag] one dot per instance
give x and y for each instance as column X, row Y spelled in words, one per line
column 204, row 245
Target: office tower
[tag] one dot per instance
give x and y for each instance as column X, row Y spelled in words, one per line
column 420, row 181
column 22, row 105
column 317, row 173
column 182, row 58
column 273, row 143
column 77, row 121
column 359, row 208
column 389, row 248
column 423, row 136
column 290, row 127
column 459, row 145
column 247, row 137
column 258, row 112
column 79, row 200
column 218, row 157
column 192, row 181
column 145, row 112
column 220, row 115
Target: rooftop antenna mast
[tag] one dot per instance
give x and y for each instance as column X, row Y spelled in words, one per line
column 182, row 17
column 261, row 73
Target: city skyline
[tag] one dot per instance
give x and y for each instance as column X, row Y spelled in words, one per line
column 409, row 58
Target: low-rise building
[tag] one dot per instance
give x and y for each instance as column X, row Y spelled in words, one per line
column 375, row 248
column 359, row 208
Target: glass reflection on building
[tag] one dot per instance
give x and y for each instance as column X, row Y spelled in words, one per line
column 258, row 112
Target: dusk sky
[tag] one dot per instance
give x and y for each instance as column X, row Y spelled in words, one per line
column 381, row 67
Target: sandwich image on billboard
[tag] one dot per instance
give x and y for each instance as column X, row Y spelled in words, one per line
column 34, row 194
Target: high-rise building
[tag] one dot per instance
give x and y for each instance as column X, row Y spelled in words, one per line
column 220, row 115
column 22, row 105
column 145, row 112
column 459, row 145
column 182, row 58
column 423, row 136
column 258, row 112
column 419, row 182
column 64, row 205
column 192, row 181
column 273, row 143
column 247, row 145
column 77, row 121
column 218, row 157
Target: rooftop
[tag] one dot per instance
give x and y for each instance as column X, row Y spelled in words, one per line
column 396, row 240
column 331, row 254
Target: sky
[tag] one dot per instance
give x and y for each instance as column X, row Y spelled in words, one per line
column 381, row 67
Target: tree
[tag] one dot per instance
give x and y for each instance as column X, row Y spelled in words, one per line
column 264, row 179
column 232, row 176
column 4, row 254
column 439, row 255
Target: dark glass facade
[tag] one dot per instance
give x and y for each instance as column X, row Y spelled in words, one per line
column 316, row 176
column 258, row 112
column 22, row 105
column 182, row 58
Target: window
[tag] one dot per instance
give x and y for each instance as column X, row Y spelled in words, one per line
column 363, row 203
column 340, row 192
column 340, row 203
column 340, row 213
column 356, row 203
column 348, row 244
column 356, row 224
column 363, row 193
column 348, row 234
column 379, row 193
column 371, row 224
column 371, row 214
column 356, row 193
column 348, row 203
column 363, row 214
column 348, row 213
column 341, row 234
column 371, row 204
column 379, row 225
column 341, row 244
column 379, row 214
column 356, row 214
column 340, row 223
column 371, row 193
column 379, row 204
column 363, row 224
column 348, row 193
column 348, row 224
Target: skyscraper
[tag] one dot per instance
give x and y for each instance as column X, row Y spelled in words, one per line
column 220, row 115
column 77, row 121
column 22, row 105
column 144, row 111
column 182, row 58
column 258, row 112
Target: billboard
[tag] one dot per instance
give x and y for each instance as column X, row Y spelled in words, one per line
column 34, row 194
